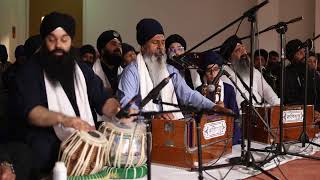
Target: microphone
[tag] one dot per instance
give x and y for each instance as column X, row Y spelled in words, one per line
column 308, row 44
column 211, row 87
column 172, row 55
column 156, row 90
column 124, row 111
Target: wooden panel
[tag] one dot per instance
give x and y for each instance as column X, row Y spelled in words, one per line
column 174, row 141
column 39, row 8
column 291, row 131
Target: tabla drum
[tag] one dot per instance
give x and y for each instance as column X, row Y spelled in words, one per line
column 83, row 152
column 126, row 145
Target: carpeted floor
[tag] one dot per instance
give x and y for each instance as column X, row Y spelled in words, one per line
column 303, row 169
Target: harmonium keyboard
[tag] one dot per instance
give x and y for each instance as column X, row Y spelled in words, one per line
column 174, row 142
column 292, row 123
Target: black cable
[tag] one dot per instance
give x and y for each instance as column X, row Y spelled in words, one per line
column 278, row 166
column 210, row 175
column 239, row 26
column 265, row 159
column 304, row 148
column 228, row 172
column 224, row 150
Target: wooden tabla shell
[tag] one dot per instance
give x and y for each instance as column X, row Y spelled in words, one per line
column 126, row 146
column 83, row 153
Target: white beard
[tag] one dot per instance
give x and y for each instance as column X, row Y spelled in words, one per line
column 242, row 67
column 156, row 67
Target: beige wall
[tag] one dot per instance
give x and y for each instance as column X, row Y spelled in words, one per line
column 13, row 13
column 194, row 20
column 267, row 16
column 285, row 10
column 39, row 8
column 294, row 8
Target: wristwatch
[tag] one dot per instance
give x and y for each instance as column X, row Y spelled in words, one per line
column 7, row 164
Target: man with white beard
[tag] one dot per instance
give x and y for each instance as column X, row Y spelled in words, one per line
column 235, row 52
column 150, row 68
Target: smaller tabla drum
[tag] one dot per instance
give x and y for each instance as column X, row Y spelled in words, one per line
column 126, row 145
column 83, row 152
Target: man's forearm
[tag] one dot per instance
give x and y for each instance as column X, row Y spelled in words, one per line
column 41, row 116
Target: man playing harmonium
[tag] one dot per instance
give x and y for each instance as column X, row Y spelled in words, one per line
column 295, row 78
column 235, row 52
column 150, row 68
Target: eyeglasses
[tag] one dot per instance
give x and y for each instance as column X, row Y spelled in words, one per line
column 213, row 69
column 179, row 49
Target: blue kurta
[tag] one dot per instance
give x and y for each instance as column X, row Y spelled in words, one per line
column 129, row 86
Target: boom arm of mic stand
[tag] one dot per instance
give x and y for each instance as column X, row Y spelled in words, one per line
column 268, row 29
column 255, row 8
column 254, row 109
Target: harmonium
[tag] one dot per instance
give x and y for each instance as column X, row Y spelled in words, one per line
column 292, row 123
column 174, row 142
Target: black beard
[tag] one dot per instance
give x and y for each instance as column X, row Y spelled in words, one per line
column 112, row 59
column 59, row 68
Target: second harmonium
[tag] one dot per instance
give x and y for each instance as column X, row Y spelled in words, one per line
column 292, row 123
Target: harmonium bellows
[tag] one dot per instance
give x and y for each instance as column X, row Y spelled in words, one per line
column 174, row 142
column 292, row 123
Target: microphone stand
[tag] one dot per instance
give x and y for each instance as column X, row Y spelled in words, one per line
column 304, row 136
column 251, row 14
column 303, row 139
column 265, row 30
column 179, row 59
column 148, row 115
column 280, row 149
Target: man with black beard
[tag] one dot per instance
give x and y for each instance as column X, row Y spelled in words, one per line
column 109, row 47
column 295, row 78
column 235, row 52
column 88, row 54
column 56, row 94
column 150, row 68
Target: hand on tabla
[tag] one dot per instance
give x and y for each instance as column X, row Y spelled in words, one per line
column 77, row 123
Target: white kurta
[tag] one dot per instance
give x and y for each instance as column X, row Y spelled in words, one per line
column 261, row 89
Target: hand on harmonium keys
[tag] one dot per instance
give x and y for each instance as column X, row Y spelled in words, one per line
column 76, row 123
column 221, row 109
column 220, row 103
column 166, row 116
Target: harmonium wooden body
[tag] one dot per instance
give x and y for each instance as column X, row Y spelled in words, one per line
column 174, row 142
column 292, row 123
